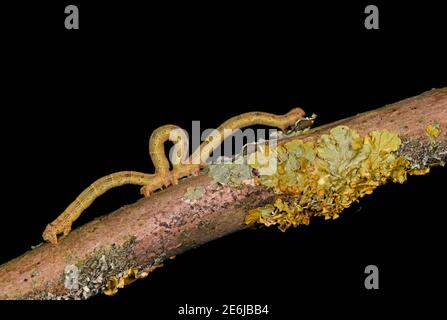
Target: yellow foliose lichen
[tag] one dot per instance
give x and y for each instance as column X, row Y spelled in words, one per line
column 127, row 277
column 433, row 130
column 323, row 178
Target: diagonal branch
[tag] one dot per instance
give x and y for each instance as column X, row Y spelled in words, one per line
column 116, row 249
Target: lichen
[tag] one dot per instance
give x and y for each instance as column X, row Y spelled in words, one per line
column 435, row 154
column 233, row 174
column 104, row 270
column 96, row 269
column 423, row 155
column 193, row 194
column 324, row 177
column 433, row 131
column 127, row 277
column 71, row 281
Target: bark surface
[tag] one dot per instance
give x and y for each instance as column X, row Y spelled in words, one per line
column 135, row 239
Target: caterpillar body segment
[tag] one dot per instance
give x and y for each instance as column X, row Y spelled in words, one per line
column 226, row 129
column 157, row 149
column 178, row 172
column 62, row 224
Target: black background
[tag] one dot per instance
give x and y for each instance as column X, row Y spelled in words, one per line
column 80, row 104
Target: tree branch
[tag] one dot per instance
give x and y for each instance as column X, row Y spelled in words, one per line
column 114, row 250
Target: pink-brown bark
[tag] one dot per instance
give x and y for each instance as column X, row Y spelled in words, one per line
column 145, row 233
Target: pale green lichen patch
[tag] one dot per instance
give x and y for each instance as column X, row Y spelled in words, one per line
column 233, row 174
column 324, row 177
column 193, row 194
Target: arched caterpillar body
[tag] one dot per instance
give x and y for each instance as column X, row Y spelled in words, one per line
column 62, row 224
column 163, row 176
